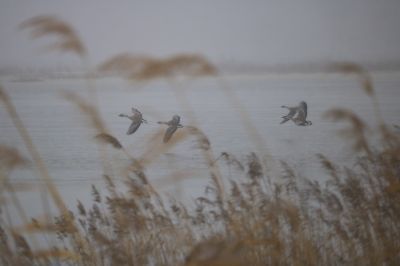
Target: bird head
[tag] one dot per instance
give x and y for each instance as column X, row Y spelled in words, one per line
column 176, row 119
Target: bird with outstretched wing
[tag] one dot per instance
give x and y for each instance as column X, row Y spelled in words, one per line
column 137, row 120
column 173, row 125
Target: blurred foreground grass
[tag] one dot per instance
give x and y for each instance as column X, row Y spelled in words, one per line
column 352, row 219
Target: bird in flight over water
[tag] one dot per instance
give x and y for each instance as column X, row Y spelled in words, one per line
column 298, row 114
column 137, row 120
column 173, row 125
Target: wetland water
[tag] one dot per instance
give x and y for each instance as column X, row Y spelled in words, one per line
column 65, row 140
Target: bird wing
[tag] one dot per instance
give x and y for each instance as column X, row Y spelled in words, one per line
column 301, row 115
column 168, row 134
column 176, row 119
column 133, row 127
column 285, row 119
column 303, row 109
column 292, row 112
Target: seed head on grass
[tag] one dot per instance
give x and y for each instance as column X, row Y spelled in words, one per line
column 359, row 71
column 108, row 139
column 144, row 68
column 67, row 39
column 10, row 158
column 88, row 109
column 357, row 128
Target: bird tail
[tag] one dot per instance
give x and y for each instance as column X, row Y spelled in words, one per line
column 285, row 119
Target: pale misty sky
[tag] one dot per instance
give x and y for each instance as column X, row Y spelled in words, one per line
column 259, row 32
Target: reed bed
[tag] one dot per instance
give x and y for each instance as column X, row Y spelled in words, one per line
column 352, row 219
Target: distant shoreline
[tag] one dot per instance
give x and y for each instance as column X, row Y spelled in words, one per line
column 226, row 69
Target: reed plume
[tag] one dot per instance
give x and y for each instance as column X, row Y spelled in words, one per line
column 144, row 68
column 88, row 109
column 366, row 82
column 230, row 159
column 357, row 129
column 67, row 39
column 358, row 70
column 353, row 219
column 10, row 158
column 108, row 139
column 147, row 68
column 43, row 172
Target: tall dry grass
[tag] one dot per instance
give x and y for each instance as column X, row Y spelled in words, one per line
column 67, row 39
column 352, row 219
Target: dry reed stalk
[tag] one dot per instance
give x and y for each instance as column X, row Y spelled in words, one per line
column 68, row 39
column 145, row 68
column 216, row 253
column 174, row 177
column 58, row 254
column 230, row 159
column 23, row 186
column 135, row 165
column 125, row 64
column 358, row 70
column 156, row 147
column 10, row 158
column 206, row 149
column 357, row 130
column 42, row 169
column 35, row 226
column 29, row 144
column 14, row 199
column 22, row 245
column 365, row 80
column 246, row 121
column 89, row 110
column 95, row 120
column 21, row 212
column 203, row 141
column 348, row 225
column 3, row 200
column 108, row 139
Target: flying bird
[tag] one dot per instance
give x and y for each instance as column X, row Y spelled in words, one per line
column 173, row 125
column 290, row 115
column 298, row 114
column 137, row 120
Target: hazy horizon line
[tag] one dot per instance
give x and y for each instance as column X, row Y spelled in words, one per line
column 224, row 67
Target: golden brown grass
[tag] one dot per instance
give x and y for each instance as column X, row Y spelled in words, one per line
column 352, row 219
column 148, row 68
column 67, row 39
column 107, row 138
